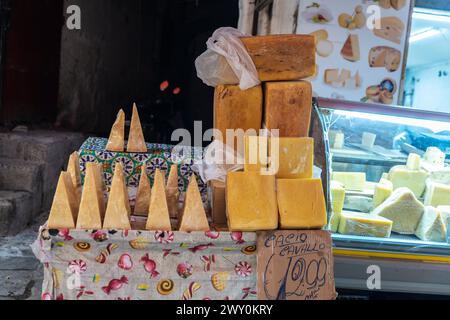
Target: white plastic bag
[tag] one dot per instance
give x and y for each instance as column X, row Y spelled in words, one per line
column 226, row 61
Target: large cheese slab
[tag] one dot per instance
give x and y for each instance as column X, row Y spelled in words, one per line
column 136, row 140
column 282, row 57
column 116, row 139
column 361, row 224
column 403, row 209
column 194, row 215
column 63, row 213
column 158, row 212
column 301, row 204
column 172, row 192
column 143, row 194
column 415, row 180
column 251, row 202
column 437, row 194
column 92, row 203
column 431, row 226
column 292, row 158
column 237, row 109
column 256, row 154
column 351, row 180
column 383, row 190
column 288, row 107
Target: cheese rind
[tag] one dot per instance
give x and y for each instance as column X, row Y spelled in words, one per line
column 143, row 194
column 158, row 212
column 288, row 107
column 351, row 180
column 437, row 194
column 172, row 192
column 116, row 139
column 301, row 204
column 63, row 212
column 92, row 203
column 251, row 202
column 383, row 190
column 415, row 180
column 256, row 156
column 360, row 224
column 431, row 226
column 136, row 140
column 403, row 208
column 194, row 215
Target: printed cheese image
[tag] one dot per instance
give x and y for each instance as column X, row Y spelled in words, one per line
column 431, row 226
column 63, row 212
column 351, row 180
column 301, row 204
column 403, row 209
column 288, row 107
column 403, row 177
column 385, row 57
column 361, row 224
column 350, row 50
column 251, row 202
column 116, row 139
column 392, row 29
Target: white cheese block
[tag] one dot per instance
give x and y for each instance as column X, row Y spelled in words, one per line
column 441, row 176
column 382, row 191
column 445, row 214
column 431, row 226
column 403, row 208
column 437, row 194
column 403, row 177
column 414, row 161
column 368, row 140
column 435, row 157
column 339, row 141
column 351, row 180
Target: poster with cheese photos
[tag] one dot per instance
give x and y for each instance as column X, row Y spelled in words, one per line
column 361, row 47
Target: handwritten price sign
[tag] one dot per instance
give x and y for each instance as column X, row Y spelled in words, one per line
column 295, row 265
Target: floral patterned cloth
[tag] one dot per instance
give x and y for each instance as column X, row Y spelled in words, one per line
column 145, row 265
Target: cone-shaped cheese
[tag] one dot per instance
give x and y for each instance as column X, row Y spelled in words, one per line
column 172, row 192
column 194, row 215
column 143, row 194
column 73, row 168
column 100, row 187
column 118, row 210
column 92, row 202
column 63, row 213
column 431, row 227
column 158, row 212
column 136, row 141
column 116, row 139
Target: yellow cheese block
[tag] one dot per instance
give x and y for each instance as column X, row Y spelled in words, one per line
column 251, row 202
column 292, row 158
column 256, row 153
column 337, row 196
column 288, row 107
column 335, row 219
column 194, row 215
column 136, row 140
column 301, row 204
column 73, row 168
column 143, row 194
column 118, row 210
column 437, row 194
column 100, row 186
column 351, row 180
column 237, row 109
column 431, row 226
column 383, row 190
column 282, row 57
column 403, row 177
column 361, row 224
column 172, row 192
column 116, row 139
column 63, row 213
column 158, row 212
column 92, row 203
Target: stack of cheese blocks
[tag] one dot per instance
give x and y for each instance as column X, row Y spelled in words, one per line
column 91, row 207
column 288, row 197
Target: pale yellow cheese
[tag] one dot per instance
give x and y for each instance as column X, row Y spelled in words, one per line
column 301, row 204
column 256, row 156
column 431, row 226
column 251, row 202
column 440, row 175
column 414, row 161
column 73, row 168
column 339, row 141
column 361, row 224
column 116, row 139
column 335, row 219
column 351, row 180
column 100, row 186
column 143, row 194
column 445, row 214
column 337, row 196
column 158, row 212
column 383, row 190
column 90, row 214
column 194, row 215
column 136, row 140
column 403, row 208
column 63, row 212
column 291, row 158
column 172, row 192
column 402, row 177
column 434, row 157
column 437, row 194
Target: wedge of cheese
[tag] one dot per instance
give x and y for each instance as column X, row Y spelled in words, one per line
column 415, row 180
column 301, row 204
column 361, row 224
column 136, row 140
column 291, row 158
column 143, row 194
column 116, row 139
column 288, row 107
column 73, row 168
column 282, row 57
column 158, row 212
column 351, row 180
column 437, row 194
column 92, row 204
column 63, row 213
column 414, row 161
column 172, row 192
column 337, row 196
column 118, row 210
column 256, row 157
column 194, row 215
column 403, row 209
column 445, row 214
column 251, row 202
column 100, row 186
column 351, row 50
column 431, row 226
column 383, row 190
column 238, row 111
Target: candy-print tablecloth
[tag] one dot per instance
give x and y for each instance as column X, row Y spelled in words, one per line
column 145, row 265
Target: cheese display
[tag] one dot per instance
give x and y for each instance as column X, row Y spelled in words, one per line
column 337, row 204
column 288, row 107
column 172, row 192
column 385, row 57
column 237, row 109
column 361, row 224
column 342, row 78
column 301, row 204
column 282, row 57
column 256, row 156
column 383, row 190
column 351, row 50
column 351, row 180
column 136, row 140
column 92, row 204
column 368, row 140
column 414, row 161
column 63, row 213
column 294, row 157
column 431, row 226
column 434, row 158
column 116, row 139
column 403, row 177
column 143, row 194
column 158, row 212
column 403, row 209
column 73, row 168
column 118, row 213
column 437, row 194
column 194, row 215
column 251, row 202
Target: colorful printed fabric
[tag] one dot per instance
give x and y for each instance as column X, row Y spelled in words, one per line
column 145, row 265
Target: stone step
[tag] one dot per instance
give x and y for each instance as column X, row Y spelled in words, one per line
column 16, row 211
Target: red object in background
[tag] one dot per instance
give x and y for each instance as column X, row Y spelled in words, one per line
column 164, row 85
column 177, row 90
